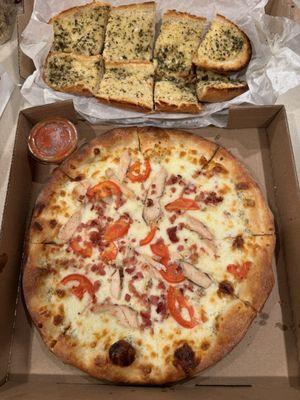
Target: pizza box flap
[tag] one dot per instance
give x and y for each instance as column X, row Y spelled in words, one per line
column 266, row 358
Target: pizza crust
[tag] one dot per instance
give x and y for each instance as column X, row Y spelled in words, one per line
column 261, row 220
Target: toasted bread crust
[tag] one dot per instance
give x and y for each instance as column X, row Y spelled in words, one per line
column 125, row 104
column 182, row 108
column 182, row 15
column 73, row 10
column 226, row 67
column 212, row 94
column 146, row 5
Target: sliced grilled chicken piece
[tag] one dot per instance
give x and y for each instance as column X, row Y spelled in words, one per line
column 195, row 225
column 125, row 315
column 68, row 229
column 123, row 165
column 195, row 275
column 115, row 285
column 152, row 208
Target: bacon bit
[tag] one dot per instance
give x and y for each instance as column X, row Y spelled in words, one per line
column 98, row 269
column 149, row 203
column 209, row 198
column 138, row 276
column 95, row 237
column 180, row 247
column 127, row 297
column 172, row 234
column 181, row 225
column 172, row 180
column 173, row 189
column 173, row 218
column 161, row 308
column 97, row 285
column 154, row 300
column 142, row 297
column 191, row 188
column 161, row 285
column 146, row 319
column 130, row 270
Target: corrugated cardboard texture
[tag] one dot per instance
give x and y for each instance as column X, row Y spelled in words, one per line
column 284, row 8
column 267, row 356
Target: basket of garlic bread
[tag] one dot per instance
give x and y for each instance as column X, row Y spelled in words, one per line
column 110, row 53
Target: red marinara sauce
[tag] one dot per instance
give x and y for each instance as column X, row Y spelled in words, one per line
column 52, row 140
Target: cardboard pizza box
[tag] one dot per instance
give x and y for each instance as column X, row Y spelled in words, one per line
column 264, row 365
column 280, row 8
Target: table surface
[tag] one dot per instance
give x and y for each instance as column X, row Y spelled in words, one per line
column 8, row 121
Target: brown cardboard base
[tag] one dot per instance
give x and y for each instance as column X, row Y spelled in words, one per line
column 266, row 357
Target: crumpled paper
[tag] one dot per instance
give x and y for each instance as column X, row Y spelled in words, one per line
column 6, row 88
column 274, row 67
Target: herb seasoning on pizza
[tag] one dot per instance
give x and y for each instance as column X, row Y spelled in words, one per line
column 148, row 256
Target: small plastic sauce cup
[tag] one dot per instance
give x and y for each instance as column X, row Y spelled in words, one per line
column 52, row 140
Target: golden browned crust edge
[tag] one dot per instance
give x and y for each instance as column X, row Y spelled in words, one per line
column 213, row 94
column 47, row 233
column 182, row 108
column 145, row 5
column 221, row 67
column 262, row 223
column 78, row 8
column 110, row 140
column 182, row 15
column 148, row 136
column 232, row 328
column 260, row 279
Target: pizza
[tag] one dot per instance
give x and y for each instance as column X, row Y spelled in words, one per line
column 148, row 256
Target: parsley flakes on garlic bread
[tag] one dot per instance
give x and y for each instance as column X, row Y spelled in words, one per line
column 130, row 33
column 175, row 94
column 177, row 42
column 128, row 84
column 73, row 73
column 212, row 87
column 224, row 49
column 81, row 30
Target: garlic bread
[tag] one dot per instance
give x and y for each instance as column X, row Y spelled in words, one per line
column 224, row 49
column 129, row 85
column 81, row 30
column 212, row 87
column 175, row 94
column 130, row 33
column 73, row 73
column 178, row 40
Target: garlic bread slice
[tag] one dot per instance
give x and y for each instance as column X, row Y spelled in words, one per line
column 178, row 40
column 176, row 94
column 224, row 49
column 128, row 85
column 130, row 33
column 81, row 30
column 212, row 87
column 73, row 73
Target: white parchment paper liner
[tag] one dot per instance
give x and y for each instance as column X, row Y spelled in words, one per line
column 274, row 67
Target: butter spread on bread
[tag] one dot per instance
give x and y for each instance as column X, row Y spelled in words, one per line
column 130, row 33
column 177, row 42
column 81, row 30
column 73, row 73
column 224, row 49
column 128, row 84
